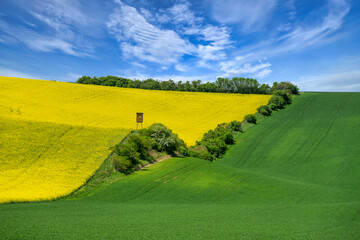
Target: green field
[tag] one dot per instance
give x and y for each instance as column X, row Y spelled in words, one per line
column 296, row 175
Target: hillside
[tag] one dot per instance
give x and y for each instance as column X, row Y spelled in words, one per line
column 188, row 114
column 293, row 176
column 55, row 135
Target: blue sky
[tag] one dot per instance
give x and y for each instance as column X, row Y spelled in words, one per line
column 314, row 44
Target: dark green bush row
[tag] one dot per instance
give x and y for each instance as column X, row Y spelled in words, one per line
column 223, row 85
column 135, row 150
column 215, row 142
column 279, row 99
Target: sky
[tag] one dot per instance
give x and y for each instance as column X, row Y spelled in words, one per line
column 312, row 43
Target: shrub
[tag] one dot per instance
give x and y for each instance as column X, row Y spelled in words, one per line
column 216, row 147
column 208, row 156
column 285, row 95
column 235, row 126
column 184, row 152
column 141, row 144
column 123, row 165
column 286, row 86
column 278, row 101
column 163, row 139
column 272, row 106
column 250, row 118
column 264, row 110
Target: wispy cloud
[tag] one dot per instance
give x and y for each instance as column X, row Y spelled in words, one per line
column 308, row 34
column 37, row 41
column 237, row 67
column 141, row 76
column 298, row 38
column 250, row 14
column 179, row 14
column 143, row 40
column 62, row 24
column 304, row 34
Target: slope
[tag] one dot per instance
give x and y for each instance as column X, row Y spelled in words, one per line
column 55, row 135
column 294, row 176
column 188, row 114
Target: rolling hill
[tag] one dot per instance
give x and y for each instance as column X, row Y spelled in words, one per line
column 55, row 135
column 293, row 176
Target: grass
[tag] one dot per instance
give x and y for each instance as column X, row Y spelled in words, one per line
column 293, row 176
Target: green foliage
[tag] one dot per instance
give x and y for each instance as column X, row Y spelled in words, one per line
column 279, row 99
column 235, row 126
column 163, row 139
column 285, row 86
column 136, row 147
column 214, row 142
column 276, row 102
column 285, row 95
column 272, row 106
column 123, row 165
column 264, row 110
column 250, row 118
column 222, row 85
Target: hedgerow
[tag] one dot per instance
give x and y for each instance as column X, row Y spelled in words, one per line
column 213, row 145
column 135, row 150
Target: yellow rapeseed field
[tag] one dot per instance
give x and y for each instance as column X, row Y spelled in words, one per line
column 54, row 135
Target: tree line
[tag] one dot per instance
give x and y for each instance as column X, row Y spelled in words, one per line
column 221, row 85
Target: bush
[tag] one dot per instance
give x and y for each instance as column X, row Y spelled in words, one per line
column 216, row 147
column 250, row 118
column 277, row 101
column 235, row 126
column 285, row 95
column 286, row 86
column 272, row 106
column 163, row 139
column 123, row 165
column 264, row 110
column 184, row 152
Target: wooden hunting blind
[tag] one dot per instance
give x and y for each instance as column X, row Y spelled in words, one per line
column 139, row 119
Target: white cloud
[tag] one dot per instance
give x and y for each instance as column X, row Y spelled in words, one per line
column 250, row 14
column 217, row 40
column 301, row 36
column 307, row 34
column 147, row 14
column 181, row 67
column 37, row 41
column 263, row 74
column 304, row 34
column 238, row 67
column 62, row 18
column 343, row 81
column 176, row 78
column 138, row 38
column 181, row 13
